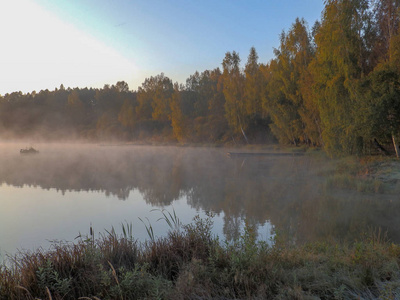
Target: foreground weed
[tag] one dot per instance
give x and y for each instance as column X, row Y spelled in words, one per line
column 139, row 284
column 49, row 279
column 171, row 219
column 149, row 229
column 127, row 230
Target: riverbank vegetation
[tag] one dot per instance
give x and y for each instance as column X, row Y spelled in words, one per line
column 334, row 85
column 190, row 263
column 369, row 174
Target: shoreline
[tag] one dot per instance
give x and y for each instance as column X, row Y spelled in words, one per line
column 191, row 263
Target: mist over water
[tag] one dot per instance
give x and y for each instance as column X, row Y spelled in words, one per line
column 59, row 192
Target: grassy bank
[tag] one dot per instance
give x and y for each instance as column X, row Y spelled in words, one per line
column 369, row 174
column 192, row 264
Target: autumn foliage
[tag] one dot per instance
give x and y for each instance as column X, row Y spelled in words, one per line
column 334, row 86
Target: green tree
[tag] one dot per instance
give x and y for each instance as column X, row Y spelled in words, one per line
column 203, row 105
column 291, row 115
column 301, row 52
column 233, row 89
column 127, row 114
column 252, row 85
column 282, row 112
column 75, row 108
column 178, row 120
column 108, row 103
column 380, row 112
column 154, row 98
column 342, row 44
column 253, row 93
column 386, row 14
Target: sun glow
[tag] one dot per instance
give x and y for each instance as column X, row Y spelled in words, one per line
column 39, row 51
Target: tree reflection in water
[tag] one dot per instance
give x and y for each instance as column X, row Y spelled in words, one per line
column 288, row 192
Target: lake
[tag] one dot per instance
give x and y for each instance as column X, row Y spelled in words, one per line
column 65, row 189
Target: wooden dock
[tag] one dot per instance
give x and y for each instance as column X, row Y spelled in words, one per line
column 259, row 154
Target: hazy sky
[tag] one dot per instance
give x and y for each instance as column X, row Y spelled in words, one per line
column 89, row 43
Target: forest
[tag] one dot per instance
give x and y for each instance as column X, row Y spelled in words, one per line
column 335, row 85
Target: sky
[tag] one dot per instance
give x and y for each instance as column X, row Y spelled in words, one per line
column 89, row 43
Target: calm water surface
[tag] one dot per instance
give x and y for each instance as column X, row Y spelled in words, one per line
column 65, row 189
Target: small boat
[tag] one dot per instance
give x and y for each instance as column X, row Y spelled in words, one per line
column 29, row 150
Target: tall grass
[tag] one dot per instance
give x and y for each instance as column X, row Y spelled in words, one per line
column 191, row 263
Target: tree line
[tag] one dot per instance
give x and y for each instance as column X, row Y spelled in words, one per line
column 335, row 85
